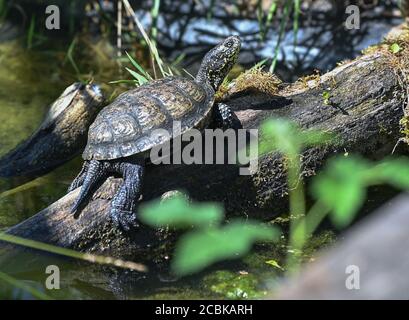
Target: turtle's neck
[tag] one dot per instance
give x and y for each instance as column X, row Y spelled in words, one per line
column 203, row 77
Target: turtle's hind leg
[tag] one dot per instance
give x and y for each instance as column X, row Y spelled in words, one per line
column 95, row 171
column 123, row 205
column 79, row 179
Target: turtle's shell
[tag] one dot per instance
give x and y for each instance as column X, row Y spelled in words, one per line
column 127, row 126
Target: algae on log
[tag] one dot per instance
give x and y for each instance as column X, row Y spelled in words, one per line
column 363, row 110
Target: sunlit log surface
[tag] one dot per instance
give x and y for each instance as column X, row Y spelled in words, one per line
column 374, row 252
column 364, row 110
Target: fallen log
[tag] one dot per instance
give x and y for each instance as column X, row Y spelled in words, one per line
column 370, row 263
column 363, row 106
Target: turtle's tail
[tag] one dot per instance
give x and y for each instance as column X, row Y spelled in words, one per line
column 95, row 172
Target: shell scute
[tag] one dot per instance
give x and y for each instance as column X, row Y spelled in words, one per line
column 102, row 132
column 125, row 126
column 148, row 113
column 174, row 102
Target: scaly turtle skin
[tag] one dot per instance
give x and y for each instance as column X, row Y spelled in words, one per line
column 120, row 137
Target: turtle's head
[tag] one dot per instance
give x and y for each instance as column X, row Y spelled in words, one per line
column 218, row 62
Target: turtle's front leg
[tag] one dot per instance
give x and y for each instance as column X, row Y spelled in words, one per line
column 225, row 118
column 123, row 205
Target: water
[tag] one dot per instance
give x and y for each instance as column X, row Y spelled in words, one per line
column 29, row 82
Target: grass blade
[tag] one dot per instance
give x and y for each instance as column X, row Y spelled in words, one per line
column 30, row 32
column 297, row 11
column 141, row 79
column 151, row 44
column 154, row 15
column 138, row 67
column 259, row 64
column 72, row 254
column 31, row 184
column 122, row 81
column 70, row 56
column 283, row 25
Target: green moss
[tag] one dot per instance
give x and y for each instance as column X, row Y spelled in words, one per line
column 175, row 293
column 231, row 285
column 314, row 78
column 318, row 242
column 257, row 80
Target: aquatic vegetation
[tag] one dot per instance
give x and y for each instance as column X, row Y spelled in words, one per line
column 151, row 44
column 231, row 285
column 140, row 75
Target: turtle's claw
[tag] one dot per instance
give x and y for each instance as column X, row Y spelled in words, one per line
column 125, row 220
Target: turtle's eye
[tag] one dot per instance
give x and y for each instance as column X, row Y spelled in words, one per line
column 229, row 44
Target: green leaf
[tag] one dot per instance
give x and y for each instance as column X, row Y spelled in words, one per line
column 274, row 264
column 344, row 199
column 178, row 212
column 342, row 188
column 281, row 135
column 394, row 172
column 286, row 137
column 342, row 185
column 197, row 250
column 395, row 48
column 326, row 96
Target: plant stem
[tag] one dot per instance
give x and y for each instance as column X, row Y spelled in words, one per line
column 281, row 34
column 297, row 208
column 72, row 253
column 304, row 228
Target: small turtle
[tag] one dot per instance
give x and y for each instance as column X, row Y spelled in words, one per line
column 120, row 138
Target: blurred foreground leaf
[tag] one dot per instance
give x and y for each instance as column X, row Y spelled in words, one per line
column 197, row 250
column 178, row 212
column 341, row 187
column 287, row 138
